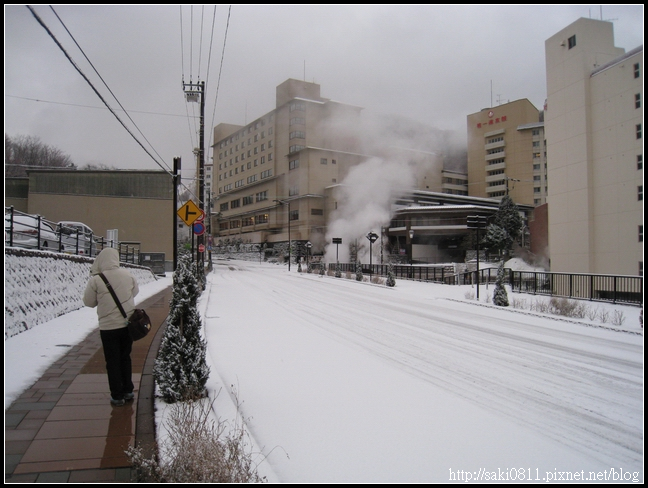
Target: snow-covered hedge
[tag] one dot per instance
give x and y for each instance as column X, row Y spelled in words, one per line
column 42, row 285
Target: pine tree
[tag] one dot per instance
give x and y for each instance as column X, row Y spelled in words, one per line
column 500, row 297
column 338, row 271
column 391, row 277
column 358, row 271
column 180, row 368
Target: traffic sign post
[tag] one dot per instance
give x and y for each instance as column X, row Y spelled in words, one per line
column 337, row 241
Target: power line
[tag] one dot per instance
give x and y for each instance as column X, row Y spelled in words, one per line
column 103, row 81
column 40, row 21
column 220, row 71
column 91, row 106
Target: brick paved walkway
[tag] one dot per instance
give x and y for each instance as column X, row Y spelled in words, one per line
column 64, row 430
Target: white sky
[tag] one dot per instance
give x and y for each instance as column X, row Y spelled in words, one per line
column 340, row 381
column 433, row 64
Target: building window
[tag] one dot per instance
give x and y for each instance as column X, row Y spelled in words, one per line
column 235, row 224
column 333, row 161
column 317, row 211
column 224, row 206
column 294, row 149
column 251, row 179
column 640, row 193
column 571, row 42
column 638, row 130
column 639, row 161
column 247, row 221
column 323, row 161
column 261, row 196
column 262, row 219
column 293, row 190
column 297, row 134
column 266, row 174
column 641, row 233
column 297, row 121
column 293, row 164
column 235, row 203
column 494, row 139
column 294, row 215
column 637, row 73
column 248, row 200
column 637, row 100
column 297, row 106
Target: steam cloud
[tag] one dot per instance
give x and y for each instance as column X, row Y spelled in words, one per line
column 365, row 197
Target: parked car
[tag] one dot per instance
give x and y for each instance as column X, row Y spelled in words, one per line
column 24, row 233
column 77, row 237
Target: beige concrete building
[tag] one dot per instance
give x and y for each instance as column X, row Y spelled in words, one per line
column 275, row 170
column 138, row 204
column 278, row 174
column 593, row 126
column 506, row 153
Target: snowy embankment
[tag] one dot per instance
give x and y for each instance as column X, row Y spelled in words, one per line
column 42, row 285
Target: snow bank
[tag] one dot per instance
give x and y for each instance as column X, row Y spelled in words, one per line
column 42, row 285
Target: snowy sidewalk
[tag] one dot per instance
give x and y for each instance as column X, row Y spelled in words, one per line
column 63, row 428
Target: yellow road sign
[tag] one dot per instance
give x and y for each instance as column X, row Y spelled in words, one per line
column 189, row 212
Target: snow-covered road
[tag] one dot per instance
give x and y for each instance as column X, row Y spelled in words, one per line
column 351, row 381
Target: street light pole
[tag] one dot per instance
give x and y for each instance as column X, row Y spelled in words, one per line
column 373, row 237
column 477, row 222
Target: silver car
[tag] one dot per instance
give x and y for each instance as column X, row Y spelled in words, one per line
column 25, row 233
column 77, row 237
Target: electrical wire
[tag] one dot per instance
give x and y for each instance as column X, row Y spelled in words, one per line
column 40, row 21
column 105, row 84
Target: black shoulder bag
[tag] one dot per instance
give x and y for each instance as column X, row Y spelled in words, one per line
column 139, row 323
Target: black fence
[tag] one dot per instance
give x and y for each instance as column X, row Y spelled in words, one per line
column 601, row 288
column 35, row 232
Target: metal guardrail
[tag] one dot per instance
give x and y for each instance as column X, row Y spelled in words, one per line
column 602, row 288
column 48, row 237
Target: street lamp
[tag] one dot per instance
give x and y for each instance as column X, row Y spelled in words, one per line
column 287, row 202
column 308, row 248
column 411, row 236
column 373, row 237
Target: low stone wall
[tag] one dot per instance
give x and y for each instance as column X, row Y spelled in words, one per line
column 42, row 285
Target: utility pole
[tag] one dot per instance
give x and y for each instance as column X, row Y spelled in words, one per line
column 195, row 92
column 177, row 163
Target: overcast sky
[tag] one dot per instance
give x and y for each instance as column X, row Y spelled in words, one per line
column 433, row 64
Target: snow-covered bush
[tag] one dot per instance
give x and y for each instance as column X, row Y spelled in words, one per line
column 358, row 271
column 181, row 370
column 500, row 297
column 391, row 277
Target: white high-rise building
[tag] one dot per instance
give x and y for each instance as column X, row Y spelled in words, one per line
column 593, row 128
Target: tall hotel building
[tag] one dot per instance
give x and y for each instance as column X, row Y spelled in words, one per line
column 506, row 153
column 593, row 127
column 270, row 176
